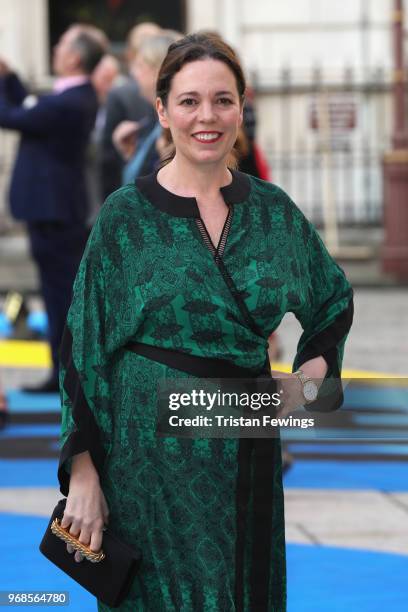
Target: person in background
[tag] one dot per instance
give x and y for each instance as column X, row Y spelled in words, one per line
column 253, row 161
column 125, row 103
column 143, row 153
column 48, row 185
column 105, row 76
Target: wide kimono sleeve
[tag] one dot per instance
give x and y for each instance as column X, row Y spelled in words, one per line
column 87, row 421
column 325, row 310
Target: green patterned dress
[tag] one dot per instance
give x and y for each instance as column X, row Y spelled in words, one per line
column 194, row 507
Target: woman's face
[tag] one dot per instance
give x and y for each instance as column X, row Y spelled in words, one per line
column 203, row 111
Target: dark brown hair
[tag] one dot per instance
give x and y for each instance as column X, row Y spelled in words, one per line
column 198, row 46
column 195, row 47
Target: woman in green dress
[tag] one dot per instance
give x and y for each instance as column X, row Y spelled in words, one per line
column 186, row 274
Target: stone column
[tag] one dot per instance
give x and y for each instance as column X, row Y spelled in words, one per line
column 202, row 15
column 24, row 45
column 395, row 165
column 24, row 38
column 222, row 16
column 230, row 21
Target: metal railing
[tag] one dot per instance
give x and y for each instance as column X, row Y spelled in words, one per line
column 325, row 134
column 355, row 181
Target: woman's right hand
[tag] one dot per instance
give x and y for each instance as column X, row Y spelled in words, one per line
column 86, row 510
column 124, row 138
column 4, row 68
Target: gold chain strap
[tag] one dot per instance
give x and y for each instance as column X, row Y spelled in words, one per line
column 63, row 534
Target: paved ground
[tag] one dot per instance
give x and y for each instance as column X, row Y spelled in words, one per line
column 349, row 519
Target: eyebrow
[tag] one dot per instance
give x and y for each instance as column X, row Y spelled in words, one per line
column 195, row 93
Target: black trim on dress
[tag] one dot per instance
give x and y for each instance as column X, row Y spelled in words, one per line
column 179, row 206
column 263, row 501
column 86, row 436
column 243, row 493
column 201, row 367
column 325, row 344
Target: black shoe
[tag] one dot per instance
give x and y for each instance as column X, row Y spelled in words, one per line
column 49, row 386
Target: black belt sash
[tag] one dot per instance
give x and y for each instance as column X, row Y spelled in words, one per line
column 256, row 465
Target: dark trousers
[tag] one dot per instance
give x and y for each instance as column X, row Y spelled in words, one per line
column 57, row 249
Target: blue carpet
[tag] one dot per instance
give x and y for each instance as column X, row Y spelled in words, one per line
column 30, row 431
column 350, row 449
column 330, row 433
column 381, row 419
column 33, row 402
column 373, row 397
column 320, row 579
column 28, row 472
column 328, row 474
column 329, row 579
column 24, row 568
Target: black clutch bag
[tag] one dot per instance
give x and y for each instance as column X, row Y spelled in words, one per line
column 107, row 574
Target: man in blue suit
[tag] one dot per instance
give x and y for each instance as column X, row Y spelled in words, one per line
column 47, row 189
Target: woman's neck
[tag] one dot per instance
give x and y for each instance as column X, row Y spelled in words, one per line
column 192, row 180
